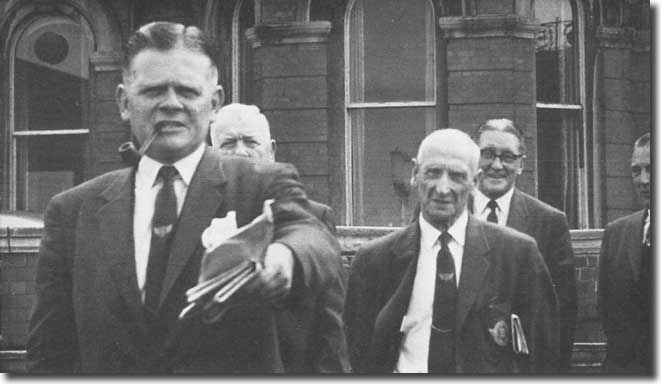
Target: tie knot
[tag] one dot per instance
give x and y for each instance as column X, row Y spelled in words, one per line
column 445, row 238
column 167, row 173
column 492, row 205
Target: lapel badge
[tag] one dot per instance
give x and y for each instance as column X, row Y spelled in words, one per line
column 500, row 333
column 162, row 230
column 446, row 276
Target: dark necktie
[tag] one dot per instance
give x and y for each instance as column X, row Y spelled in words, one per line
column 492, row 205
column 163, row 223
column 441, row 341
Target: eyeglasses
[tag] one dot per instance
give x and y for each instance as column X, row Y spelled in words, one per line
column 506, row 157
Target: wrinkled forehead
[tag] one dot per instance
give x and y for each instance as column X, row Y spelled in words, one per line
column 155, row 62
column 242, row 128
column 447, row 156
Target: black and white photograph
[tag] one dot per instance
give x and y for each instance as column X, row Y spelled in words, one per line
column 343, row 188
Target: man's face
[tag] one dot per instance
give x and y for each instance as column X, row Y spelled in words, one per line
column 444, row 179
column 498, row 174
column 173, row 92
column 641, row 173
column 243, row 139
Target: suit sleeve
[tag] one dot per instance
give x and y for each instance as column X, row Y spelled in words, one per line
column 318, row 269
column 541, row 308
column 52, row 345
column 358, row 316
column 329, row 220
column 563, row 275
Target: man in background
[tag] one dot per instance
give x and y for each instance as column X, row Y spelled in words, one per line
column 437, row 296
column 242, row 130
column 496, row 199
column 626, row 278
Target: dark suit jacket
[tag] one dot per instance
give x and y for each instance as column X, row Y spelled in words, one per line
column 625, row 315
column 548, row 226
column 324, row 213
column 502, row 273
column 88, row 315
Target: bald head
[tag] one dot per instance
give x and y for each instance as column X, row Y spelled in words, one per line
column 450, row 141
column 444, row 175
column 242, row 130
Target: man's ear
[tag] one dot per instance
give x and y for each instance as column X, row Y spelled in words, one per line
column 523, row 163
column 477, row 175
column 273, row 148
column 414, row 171
column 122, row 101
column 218, row 98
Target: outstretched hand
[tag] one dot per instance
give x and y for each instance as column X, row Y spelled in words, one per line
column 273, row 282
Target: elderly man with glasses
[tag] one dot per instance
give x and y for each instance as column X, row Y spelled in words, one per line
column 496, row 199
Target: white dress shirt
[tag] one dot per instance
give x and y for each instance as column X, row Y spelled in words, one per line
column 480, row 209
column 646, row 227
column 146, row 190
column 416, row 325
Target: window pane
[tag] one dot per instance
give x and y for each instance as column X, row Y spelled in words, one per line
column 47, row 165
column 392, row 51
column 51, row 76
column 51, row 88
column 384, row 140
column 557, row 58
column 561, row 170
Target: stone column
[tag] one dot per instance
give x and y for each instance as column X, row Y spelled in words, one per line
column 622, row 112
column 291, row 87
column 490, row 61
column 107, row 131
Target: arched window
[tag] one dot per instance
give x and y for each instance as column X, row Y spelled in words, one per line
column 48, row 97
column 561, row 115
column 390, row 93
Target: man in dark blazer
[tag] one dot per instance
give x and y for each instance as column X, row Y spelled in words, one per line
column 502, row 147
column 242, row 130
column 111, row 281
column 626, row 279
column 398, row 281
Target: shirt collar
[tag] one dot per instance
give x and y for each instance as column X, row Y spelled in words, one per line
column 480, row 201
column 148, row 168
column 429, row 234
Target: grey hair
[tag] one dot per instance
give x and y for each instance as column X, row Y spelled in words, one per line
column 503, row 125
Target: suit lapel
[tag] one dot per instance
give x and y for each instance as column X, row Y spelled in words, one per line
column 473, row 269
column 115, row 219
column 204, row 196
column 633, row 242
column 518, row 212
column 401, row 274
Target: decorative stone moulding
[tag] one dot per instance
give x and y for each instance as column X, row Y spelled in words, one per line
column 289, row 33
column 106, row 61
column 488, row 26
column 615, row 37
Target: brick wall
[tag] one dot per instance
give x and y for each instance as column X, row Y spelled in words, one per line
column 290, row 86
column 624, row 100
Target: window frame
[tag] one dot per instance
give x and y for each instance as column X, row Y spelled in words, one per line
column 352, row 164
column 583, row 185
column 13, row 135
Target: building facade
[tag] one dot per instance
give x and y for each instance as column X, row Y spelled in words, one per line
column 350, row 88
